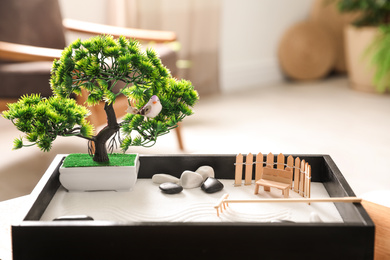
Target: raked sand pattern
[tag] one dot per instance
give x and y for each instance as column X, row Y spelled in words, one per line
column 146, row 203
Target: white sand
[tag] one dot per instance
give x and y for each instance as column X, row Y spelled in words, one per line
column 146, row 203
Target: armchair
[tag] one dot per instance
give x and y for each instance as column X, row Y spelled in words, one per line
column 32, row 35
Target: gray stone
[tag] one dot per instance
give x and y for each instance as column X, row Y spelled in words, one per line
column 162, row 177
column 212, row 185
column 190, row 180
column 73, row 218
column 206, row 171
column 170, row 188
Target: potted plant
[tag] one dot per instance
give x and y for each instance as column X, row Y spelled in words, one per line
column 367, row 44
column 95, row 67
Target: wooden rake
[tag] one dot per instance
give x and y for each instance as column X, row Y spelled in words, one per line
column 224, row 201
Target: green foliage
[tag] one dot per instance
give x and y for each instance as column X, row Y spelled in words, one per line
column 177, row 98
column 372, row 12
column 96, row 66
column 381, row 59
column 44, row 119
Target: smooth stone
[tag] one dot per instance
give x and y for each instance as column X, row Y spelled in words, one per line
column 211, row 185
column 73, row 218
column 314, row 217
column 170, row 188
column 206, row 171
column 190, row 180
column 162, row 177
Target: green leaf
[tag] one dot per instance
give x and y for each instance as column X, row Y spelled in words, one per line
column 32, row 137
column 45, row 144
column 95, row 97
column 128, row 117
column 76, row 44
column 93, row 69
column 66, row 53
column 123, row 42
column 185, row 109
column 18, row 143
column 103, row 84
column 109, row 97
column 86, row 129
column 136, row 121
column 126, row 143
column 80, row 54
column 111, row 51
column 137, row 141
column 88, row 86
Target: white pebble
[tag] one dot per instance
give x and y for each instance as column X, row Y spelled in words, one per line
column 190, row 179
column 160, row 178
column 206, row 171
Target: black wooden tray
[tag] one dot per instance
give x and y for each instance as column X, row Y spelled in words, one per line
column 353, row 239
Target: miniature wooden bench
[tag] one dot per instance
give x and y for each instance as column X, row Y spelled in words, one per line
column 277, row 178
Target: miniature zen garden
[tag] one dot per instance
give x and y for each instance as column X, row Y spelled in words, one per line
column 157, row 103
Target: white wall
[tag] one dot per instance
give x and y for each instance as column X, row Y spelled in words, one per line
column 84, row 10
column 250, row 34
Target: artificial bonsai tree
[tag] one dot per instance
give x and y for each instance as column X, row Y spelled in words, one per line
column 374, row 13
column 95, row 67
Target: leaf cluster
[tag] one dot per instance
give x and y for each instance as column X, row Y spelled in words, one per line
column 177, row 99
column 96, row 65
column 372, row 12
column 381, row 59
column 43, row 119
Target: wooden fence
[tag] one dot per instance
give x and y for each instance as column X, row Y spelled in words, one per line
column 301, row 169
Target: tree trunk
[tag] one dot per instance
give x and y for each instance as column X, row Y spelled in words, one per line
column 105, row 134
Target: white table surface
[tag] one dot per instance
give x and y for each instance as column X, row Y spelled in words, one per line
column 11, row 212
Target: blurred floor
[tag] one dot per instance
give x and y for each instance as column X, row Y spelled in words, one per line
column 324, row 117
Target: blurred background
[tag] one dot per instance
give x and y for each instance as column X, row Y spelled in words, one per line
column 272, row 76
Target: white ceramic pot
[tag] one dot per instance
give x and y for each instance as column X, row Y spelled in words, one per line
column 104, row 178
